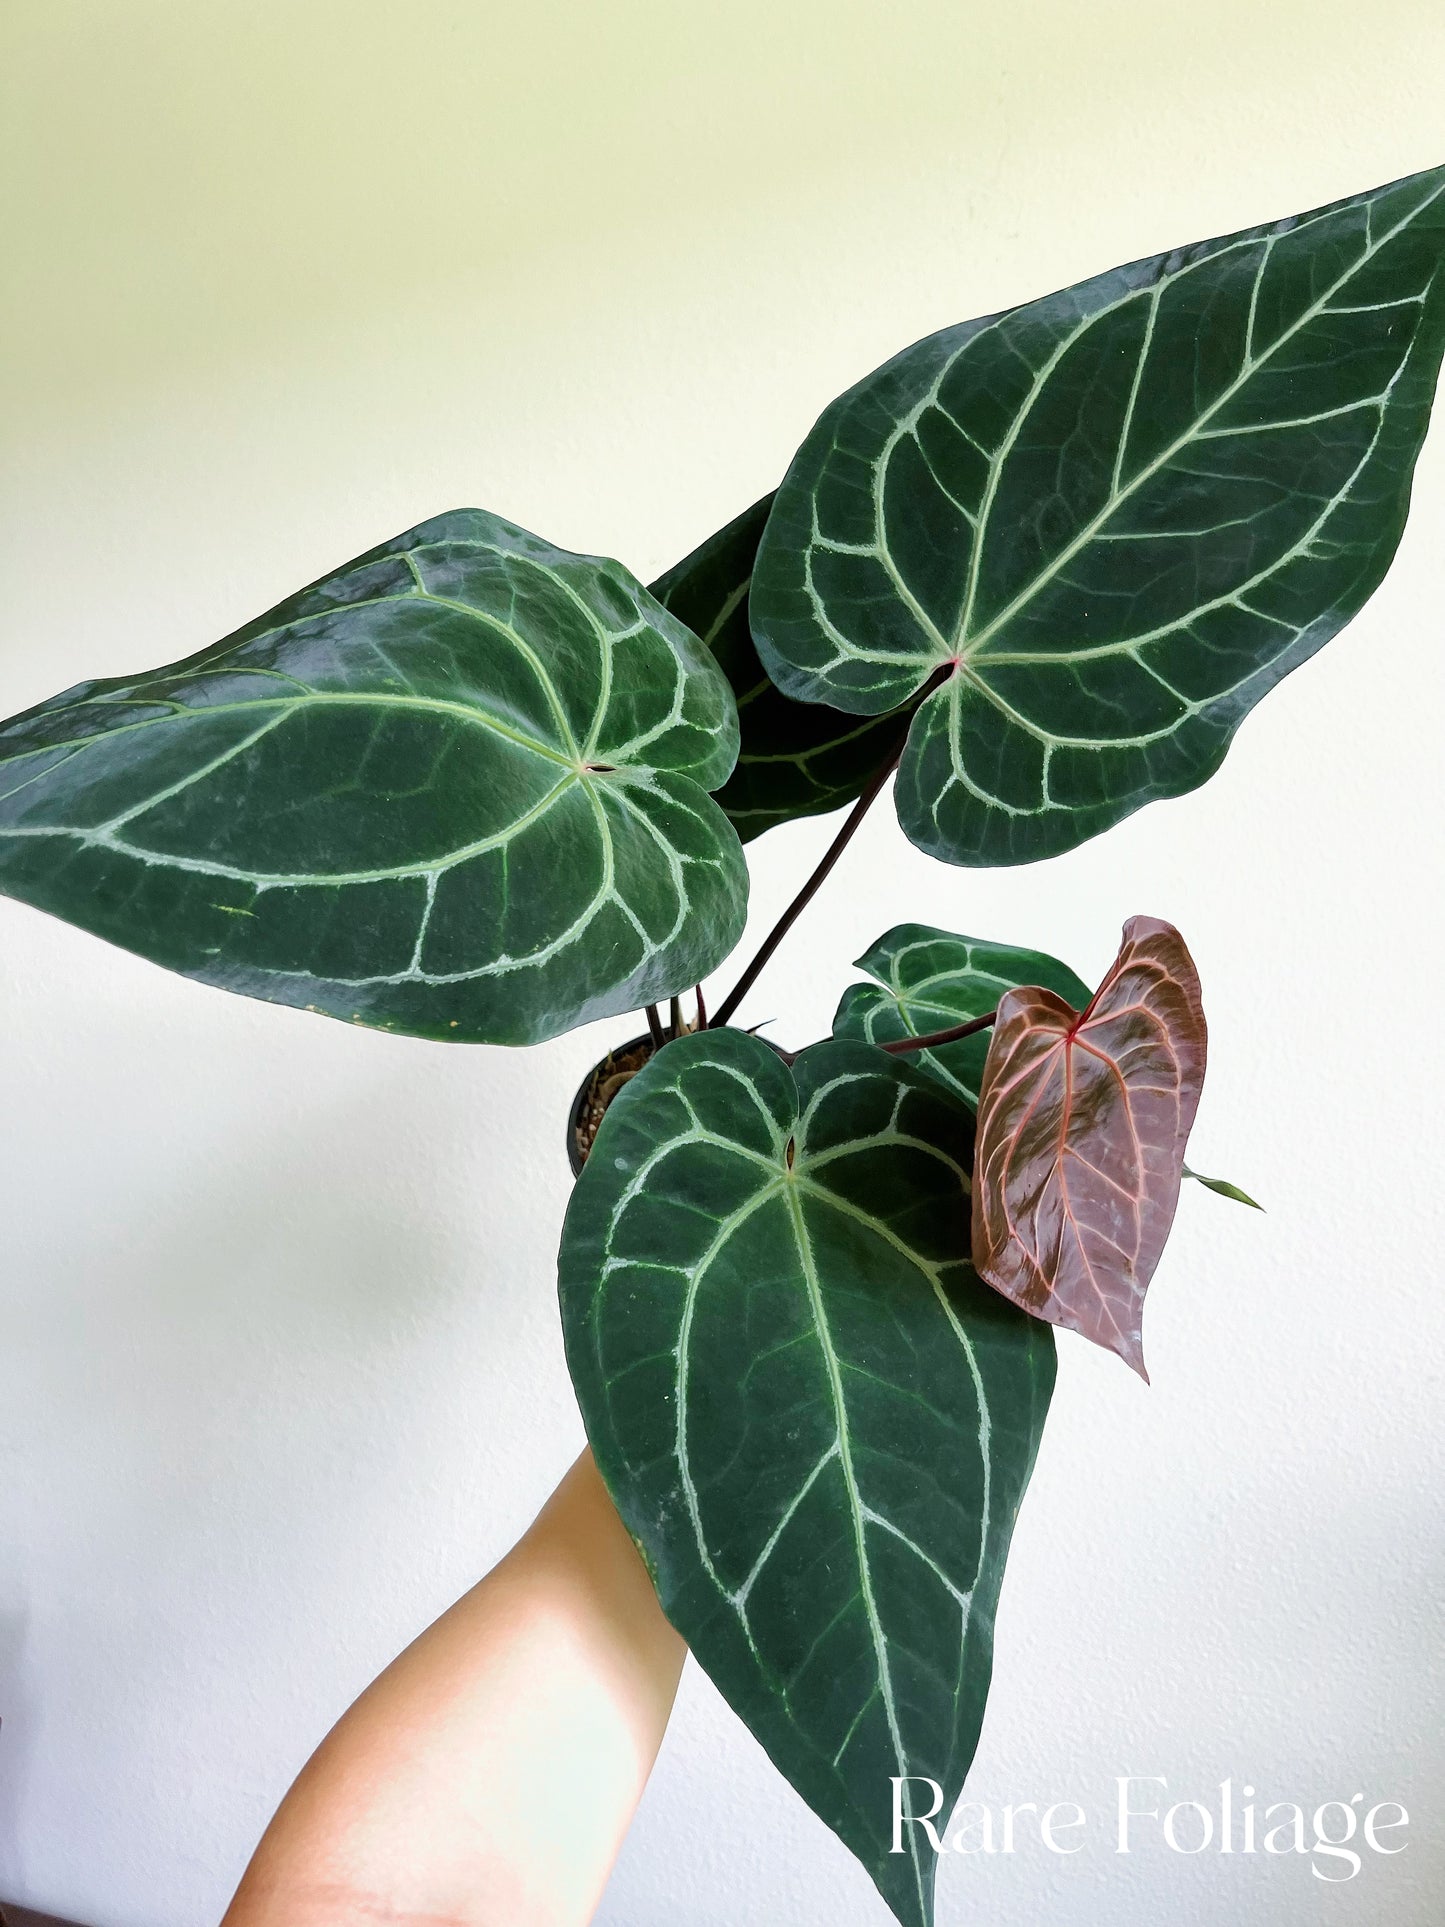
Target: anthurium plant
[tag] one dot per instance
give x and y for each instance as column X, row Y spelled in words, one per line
column 1034, row 571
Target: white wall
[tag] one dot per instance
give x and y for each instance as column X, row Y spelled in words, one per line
column 280, row 1371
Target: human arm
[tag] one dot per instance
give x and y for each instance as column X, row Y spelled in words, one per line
column 487, row 1777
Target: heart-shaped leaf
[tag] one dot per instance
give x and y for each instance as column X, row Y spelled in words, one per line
column 1118, row 516
column 796, row 759
column 929, row 980
column 457, row 789
column 815, row 1421
column 1082, row 1123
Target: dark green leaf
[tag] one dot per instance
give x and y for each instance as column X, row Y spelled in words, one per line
column 816, row 1422
column 457, row 789
column 929, row 980
column 1224, row 1189
column 1119, row 515
column 796, row 759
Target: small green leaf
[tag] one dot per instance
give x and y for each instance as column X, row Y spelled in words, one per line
column 929, row 980
column 458, row 789
column 1224, row 1188
column 796, row 759
column 816, row 1422
column 1116, row 517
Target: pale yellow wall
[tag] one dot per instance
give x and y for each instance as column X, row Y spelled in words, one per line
column 195, row 179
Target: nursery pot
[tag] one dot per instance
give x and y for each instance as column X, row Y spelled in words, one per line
column 645, row 1048
column 642, row 1046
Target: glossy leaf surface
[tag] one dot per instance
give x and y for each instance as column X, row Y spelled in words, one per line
column 457, row 789
column 816, row 1422
column 1082, row 1123
column 795, row 759
column 929, row 980
column 1124, row 511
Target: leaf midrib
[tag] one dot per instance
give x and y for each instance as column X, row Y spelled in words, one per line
column 180, row 716
column 792, row 1185
column 855, row 1510
column 965, row 647
column 970, row 646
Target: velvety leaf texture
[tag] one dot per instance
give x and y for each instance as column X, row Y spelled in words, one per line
column 1082, row 1123
column 795, row 759
column 1118, row 515
column 930, row 980
column 815, row 1421
column 458, row 789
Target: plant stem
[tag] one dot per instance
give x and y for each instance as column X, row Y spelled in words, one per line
column 675, row 1016
column 830, row 856
column 654, row 1025
column 902, row 1044
column 949, row 1036
column 805, row 896
column 701, row 1023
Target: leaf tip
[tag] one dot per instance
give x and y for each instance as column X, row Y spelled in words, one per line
column 1223, row 1188
column 1128, row 1345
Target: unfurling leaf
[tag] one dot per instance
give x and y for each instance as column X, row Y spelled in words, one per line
column 1116, row 516
column 795, row 759
column 458, row 789
column 1224, row 1189
column 815, row 1421
column 929, row 980
column 1082, row 1122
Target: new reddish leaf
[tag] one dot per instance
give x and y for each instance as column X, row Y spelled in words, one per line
column 1082, row 1123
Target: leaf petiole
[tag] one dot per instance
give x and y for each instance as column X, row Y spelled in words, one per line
column 830, row 856
column 950, row 1036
